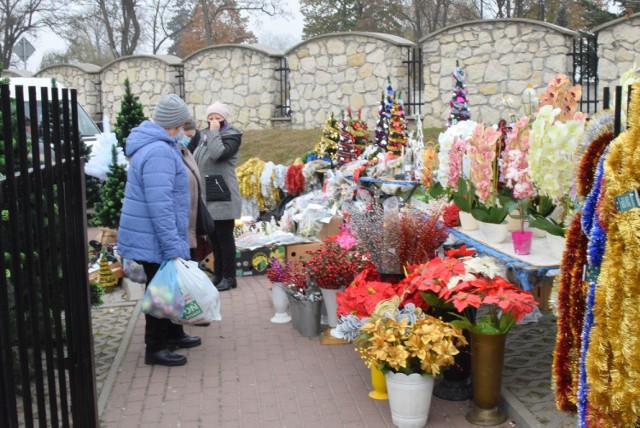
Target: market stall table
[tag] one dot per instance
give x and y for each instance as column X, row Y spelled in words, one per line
column 379, row 182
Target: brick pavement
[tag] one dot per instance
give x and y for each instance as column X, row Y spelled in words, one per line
column 250, row 372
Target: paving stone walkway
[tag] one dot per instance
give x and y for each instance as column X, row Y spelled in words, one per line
column 249, row 372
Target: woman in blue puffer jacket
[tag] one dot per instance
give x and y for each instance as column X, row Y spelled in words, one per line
column 155, row 214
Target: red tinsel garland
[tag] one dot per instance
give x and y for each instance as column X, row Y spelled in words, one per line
column 294, row 180
column 589, row 163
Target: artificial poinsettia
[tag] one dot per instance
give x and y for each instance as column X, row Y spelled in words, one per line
column 365, row 292
column 472, row 282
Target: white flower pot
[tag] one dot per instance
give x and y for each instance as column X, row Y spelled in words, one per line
column 494, row 233
column 331, row 305
column 280, row 304
column 556, row 245
column 409, row 399
column 467, row 222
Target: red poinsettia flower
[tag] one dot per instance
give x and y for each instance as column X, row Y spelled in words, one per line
column 471, row 283
column 462, row 251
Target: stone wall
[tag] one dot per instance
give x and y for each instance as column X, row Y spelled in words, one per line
column 150, row 76
column 618, row 49
column 83, row 77
column 331, row 72
column 499, row 58
column 243, row 77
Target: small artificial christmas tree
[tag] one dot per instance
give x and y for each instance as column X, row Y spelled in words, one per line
column 397, row 139
column 381, row 133
column 107, row 280
column 360, row 131
column 107, row 209
column 347, row 150
column 459, row 104
column 130, row 116
column 327, row 147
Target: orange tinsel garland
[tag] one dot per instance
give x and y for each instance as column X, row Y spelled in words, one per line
column 571, row 298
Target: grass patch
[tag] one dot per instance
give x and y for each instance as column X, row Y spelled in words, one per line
column 283, row 146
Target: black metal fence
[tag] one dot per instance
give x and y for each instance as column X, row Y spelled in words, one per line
column 47, row 374
column 415, row 82
column 585, row 70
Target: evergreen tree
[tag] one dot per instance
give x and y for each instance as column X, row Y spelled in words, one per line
column 327, row 147
column 130, row 116
column 107, row 210
column 459, row 105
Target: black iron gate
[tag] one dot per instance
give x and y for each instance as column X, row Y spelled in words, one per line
column 47, row 374
column 585, row 70
column 283, row 108
column 415, row 82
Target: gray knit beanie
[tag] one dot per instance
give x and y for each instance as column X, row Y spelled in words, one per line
column 171, row 112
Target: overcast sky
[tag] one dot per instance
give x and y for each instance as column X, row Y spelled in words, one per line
column 266, row 26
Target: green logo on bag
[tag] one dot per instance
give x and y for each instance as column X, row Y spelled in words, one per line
column 191, row 310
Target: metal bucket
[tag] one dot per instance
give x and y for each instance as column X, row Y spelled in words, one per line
column 305, row 316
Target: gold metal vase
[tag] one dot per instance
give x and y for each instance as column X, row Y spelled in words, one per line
column 487, row 353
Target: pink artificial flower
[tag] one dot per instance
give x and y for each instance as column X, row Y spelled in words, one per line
column 515, row 158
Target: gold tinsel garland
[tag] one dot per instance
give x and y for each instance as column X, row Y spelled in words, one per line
column 249, row 180
column 612, row 363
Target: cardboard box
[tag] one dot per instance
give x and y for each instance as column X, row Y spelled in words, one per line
column 542, row 293
column 331, row 228
column 255, row 262
column 298, row 252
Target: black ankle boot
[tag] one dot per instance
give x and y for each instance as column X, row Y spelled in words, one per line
column 227, row 284
column 164, row 357
column 216, row 279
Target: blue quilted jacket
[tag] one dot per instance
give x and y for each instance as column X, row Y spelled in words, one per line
column 155, row 213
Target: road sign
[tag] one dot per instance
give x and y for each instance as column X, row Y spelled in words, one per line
column 23, row 49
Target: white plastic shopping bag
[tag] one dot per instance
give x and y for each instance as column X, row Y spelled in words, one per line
column 201, row 297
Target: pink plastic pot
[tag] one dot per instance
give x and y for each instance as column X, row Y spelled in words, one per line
column 522, row 241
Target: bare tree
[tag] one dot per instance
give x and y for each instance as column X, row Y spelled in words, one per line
column 211, row 9
column 20, row 17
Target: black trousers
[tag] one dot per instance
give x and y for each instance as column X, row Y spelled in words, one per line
column 223, row 244
column 158, row 330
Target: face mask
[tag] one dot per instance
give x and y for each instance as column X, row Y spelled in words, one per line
column 182, row 139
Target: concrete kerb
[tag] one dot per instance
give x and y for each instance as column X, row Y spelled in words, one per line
column 117, row 361
column 517, row 412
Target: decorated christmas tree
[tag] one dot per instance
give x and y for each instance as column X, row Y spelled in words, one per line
column 107, row 209
column 360, row 132
column 107, row 280
column 459, row 104
column 347, row 150
column 397, row 139
column 381, row 133
column 130, row 116
column 327, row 147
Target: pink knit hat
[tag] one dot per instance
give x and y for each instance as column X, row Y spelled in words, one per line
column 219, row 108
